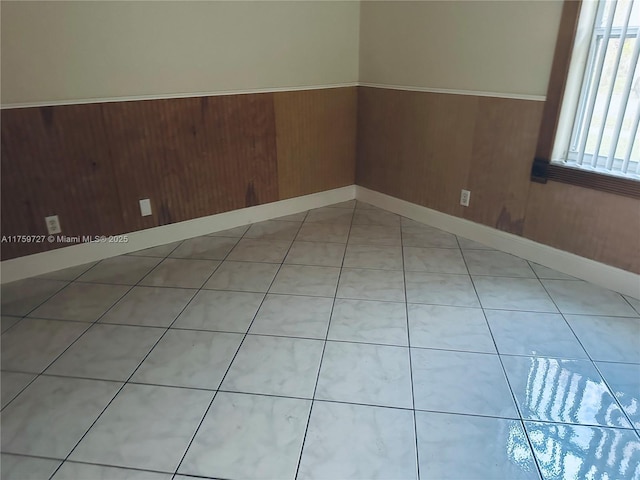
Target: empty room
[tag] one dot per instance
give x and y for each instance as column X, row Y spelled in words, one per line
column 332, row 240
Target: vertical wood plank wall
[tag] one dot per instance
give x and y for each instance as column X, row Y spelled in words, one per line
column 426, row 147
column 91, row 164
column 316, row 140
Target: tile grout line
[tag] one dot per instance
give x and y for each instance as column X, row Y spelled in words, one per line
column 406, row 312
column 91, row 324
column 624, row 297
column 89, row 327
column 139, row 364
column 333, row 340
column 317, row 296
column 49, row 297
column 324, row 346
column 593, row 363
column 161, row 260
column 167, row 329
column 622, row 409
column 195, row 433
column 506, row 377
column 342, row 402
column 40, row 457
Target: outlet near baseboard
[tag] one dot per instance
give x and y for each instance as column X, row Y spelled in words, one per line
column 465, row 196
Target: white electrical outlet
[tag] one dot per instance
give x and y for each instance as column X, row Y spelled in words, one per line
column 145, row 207
column 465, row 196
column 53, row 224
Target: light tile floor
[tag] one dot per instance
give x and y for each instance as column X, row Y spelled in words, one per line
column 342, row 343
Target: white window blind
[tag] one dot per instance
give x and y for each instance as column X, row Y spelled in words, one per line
column 601, row 121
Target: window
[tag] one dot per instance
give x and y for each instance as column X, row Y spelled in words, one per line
column 598, row 124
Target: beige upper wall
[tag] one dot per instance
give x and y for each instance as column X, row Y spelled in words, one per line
column 62, row 51
column 501, row 46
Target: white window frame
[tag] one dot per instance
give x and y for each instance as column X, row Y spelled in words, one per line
column 568, row 134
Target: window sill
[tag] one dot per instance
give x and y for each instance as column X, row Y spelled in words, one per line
column 544, row 171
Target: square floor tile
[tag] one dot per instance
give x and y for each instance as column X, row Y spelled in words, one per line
column 491, row 262
column 373, row 256
column 467, row 244
column 34, row 343
column 220, row 310
column 624, row 382
column 149, row 306
column 369, row 321
column 368, row 374
column 257, row 250
column 160, row 251
column 75, row 471
column 85, row 302
column 374, row 235
column 587, row 299
column 273, row 230
column 68, row 274
column 460, row 382
column 449, row 328
column 243, row 276
column 330, row 215
column 316, row 253
column 294, row 316
column 306, row 280
column 181, row 273
column 441, row 289
column 427, row 237
column 17, row 467
column 576, row 451
column 491, row 448
column 107, row 352
column 366, row 284
column 206, row 248
column 52, row 415
column 567, row 391
column 358, row 441
column 249, row 437
column 361, row 422
column 123, row 270
column 236, row 232
column 275, row 366
column 19, row 298
column 528, row 333
column 547, row 273
column 324, row 232
column 12, row 384
column 513, row 294
column 186, row 358
column 434, row 260
column 146, row 427
column 609, row 339
column 375, row 217
column 7, row 322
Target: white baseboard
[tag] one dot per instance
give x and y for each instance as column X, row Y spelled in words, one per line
column 583, row 268
column 595, row 272
column 45, row 262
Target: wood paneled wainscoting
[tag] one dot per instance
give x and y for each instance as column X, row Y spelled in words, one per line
column 90, row 164
column 425, row 147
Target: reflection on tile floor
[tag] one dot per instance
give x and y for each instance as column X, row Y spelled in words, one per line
column 341, row 343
